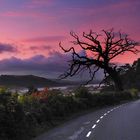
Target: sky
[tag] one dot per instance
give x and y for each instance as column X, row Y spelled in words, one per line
column 30, row 31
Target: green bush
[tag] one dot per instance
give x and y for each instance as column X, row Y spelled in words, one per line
column 134, row 93
column 105, row 99
column 85, row 96
column 82, row 92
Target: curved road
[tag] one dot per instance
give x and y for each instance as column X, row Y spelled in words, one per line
column 112, row 123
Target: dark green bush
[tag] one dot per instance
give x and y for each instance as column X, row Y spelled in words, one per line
column 13, row 124
column 85, row 96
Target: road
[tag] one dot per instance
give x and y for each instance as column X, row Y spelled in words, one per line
column 120, row 122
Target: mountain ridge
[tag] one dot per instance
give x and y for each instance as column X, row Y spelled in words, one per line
column 37, row 81
column 25, row 81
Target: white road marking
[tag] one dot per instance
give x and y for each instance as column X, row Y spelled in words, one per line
column 105, row 114
column 101, row 117
column 97, row 121
column 93, row 126
column 88, row 134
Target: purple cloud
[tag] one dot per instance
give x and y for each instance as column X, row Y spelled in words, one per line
column 52, row 66
column 7, row 48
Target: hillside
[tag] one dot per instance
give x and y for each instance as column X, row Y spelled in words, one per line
column 31, row 80
column 25, row 81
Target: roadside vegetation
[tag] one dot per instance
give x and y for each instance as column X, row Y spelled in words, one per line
column 25, row 116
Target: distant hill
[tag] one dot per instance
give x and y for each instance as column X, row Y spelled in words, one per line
column 31, row 80
column 25, row 81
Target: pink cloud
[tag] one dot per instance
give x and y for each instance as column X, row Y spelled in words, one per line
column 19, row 14
column 102, row 9
column 26, row 14
column 45, row 39
column 38, row 3
column 41, row 48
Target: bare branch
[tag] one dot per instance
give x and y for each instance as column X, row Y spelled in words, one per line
column 101, row 53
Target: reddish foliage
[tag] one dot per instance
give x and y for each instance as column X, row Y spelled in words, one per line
column 42, row 95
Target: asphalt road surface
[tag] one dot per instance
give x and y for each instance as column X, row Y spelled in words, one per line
column 120, row 122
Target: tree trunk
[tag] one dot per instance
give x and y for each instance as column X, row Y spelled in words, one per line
column 116, row 79
column 117, row 82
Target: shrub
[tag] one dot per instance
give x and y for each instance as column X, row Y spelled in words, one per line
column 105, row 98
column 134, row 93
column 82, row 92
column 12, row 119
column 85, row 96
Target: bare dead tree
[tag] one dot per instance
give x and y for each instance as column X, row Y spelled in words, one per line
column 103, row 49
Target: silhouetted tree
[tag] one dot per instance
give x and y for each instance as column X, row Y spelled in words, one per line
column 99, row 53
column 131, row 75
